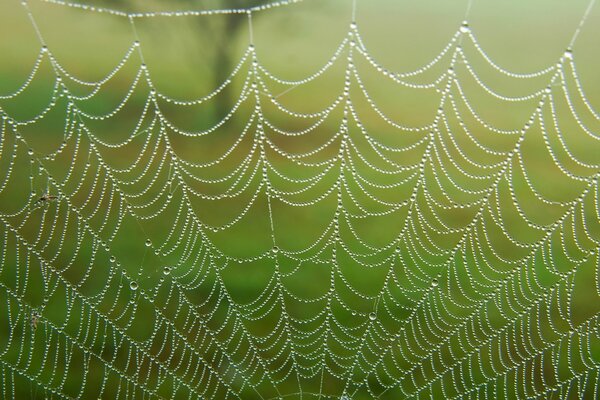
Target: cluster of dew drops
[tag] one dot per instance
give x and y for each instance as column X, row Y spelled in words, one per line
column 133, row 285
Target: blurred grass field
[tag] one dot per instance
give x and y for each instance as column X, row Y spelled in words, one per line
column 293, row 42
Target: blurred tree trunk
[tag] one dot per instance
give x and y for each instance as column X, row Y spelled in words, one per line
column 224, row 36
column 224, row 62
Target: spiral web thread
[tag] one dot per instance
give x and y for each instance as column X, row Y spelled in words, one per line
column 479, row 288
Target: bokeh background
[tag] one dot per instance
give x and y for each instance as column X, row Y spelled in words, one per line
column 188, row 58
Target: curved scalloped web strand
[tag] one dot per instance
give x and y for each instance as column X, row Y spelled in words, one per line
column 477, row 294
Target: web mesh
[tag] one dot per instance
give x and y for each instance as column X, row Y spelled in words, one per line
column 285, row 253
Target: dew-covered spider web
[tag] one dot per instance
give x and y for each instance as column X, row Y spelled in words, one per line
column 431, row 233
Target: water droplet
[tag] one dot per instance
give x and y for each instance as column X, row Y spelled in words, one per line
column 372, row 316
column 464, row 28
column 275, row 249
column 569, row 54
column 148, row 243
column 30, row 152
column 133, row 285
column 434, row 283
column 167, row 270
column 113, row 259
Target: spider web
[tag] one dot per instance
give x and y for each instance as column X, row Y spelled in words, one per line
column 458, row 258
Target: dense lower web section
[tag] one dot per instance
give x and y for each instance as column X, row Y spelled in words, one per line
column 284, row 254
